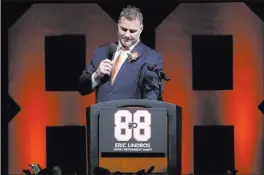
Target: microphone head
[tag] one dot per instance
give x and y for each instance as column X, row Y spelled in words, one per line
column 111, row 50
column 151, row 66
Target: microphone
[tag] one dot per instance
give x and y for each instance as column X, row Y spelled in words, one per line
column 111, row 50
column 155, row 68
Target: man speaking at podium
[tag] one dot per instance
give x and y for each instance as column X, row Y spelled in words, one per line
column 121, row 70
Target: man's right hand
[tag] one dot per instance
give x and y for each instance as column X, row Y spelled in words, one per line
column 104, row 68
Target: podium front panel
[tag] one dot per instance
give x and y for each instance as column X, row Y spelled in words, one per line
column 168, row 165
column 133, row 132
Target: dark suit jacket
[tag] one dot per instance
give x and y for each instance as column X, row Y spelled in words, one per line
column 133, row 81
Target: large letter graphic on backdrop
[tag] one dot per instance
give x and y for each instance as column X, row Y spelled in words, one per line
column 26, row 64
column 236, row 107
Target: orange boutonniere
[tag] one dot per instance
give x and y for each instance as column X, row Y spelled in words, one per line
column 132, row 56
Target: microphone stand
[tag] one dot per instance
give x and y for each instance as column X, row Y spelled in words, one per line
column 161, row 76
column 160, row 90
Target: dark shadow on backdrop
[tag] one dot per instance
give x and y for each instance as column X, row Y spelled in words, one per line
column 64, row 52
column 212, row 62
column 213, row 149
column 66, row 148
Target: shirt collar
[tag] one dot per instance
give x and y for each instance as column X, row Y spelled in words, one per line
column 130, row 48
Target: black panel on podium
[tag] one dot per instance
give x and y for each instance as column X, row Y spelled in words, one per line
column 171, row 112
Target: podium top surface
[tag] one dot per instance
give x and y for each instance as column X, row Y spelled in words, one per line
column 134, row 102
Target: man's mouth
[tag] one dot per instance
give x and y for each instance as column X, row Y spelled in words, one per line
column 126, row 40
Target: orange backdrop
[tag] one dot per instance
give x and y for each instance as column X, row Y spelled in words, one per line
column 237, row 107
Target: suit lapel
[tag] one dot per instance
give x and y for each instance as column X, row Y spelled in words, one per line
column 127, row 66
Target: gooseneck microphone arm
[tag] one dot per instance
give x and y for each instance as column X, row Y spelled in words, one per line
column 160, row 89
column 161, row 76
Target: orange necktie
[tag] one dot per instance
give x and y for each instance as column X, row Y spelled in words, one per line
column 116, row 66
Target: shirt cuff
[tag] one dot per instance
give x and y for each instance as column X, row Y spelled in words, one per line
column 94, row 82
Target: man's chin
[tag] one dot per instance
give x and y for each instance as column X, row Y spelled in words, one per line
column 127, row 44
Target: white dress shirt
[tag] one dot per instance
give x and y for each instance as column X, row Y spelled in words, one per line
column 118, row 51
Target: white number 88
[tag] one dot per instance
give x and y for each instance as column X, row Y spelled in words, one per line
column 127, row 115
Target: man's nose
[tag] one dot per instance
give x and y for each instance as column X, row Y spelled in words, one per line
column 127, row 34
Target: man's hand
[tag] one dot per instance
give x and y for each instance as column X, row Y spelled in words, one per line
column 104, row 68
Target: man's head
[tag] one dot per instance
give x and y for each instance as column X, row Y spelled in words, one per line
column 130, row 26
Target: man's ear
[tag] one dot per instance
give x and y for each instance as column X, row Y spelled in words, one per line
column 141, row 28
